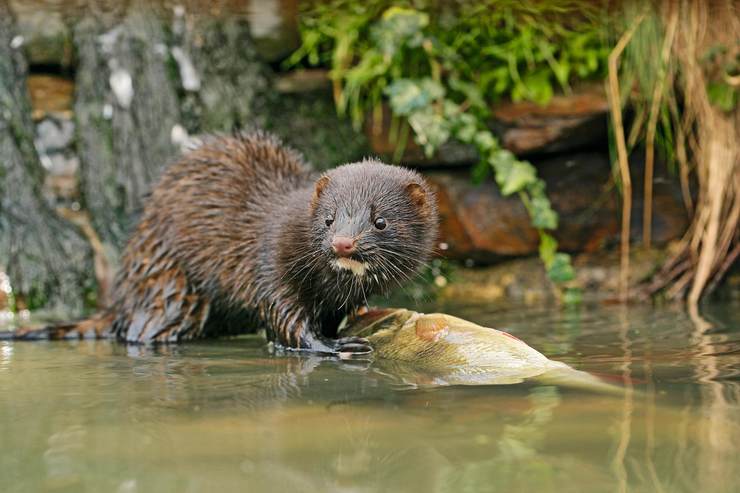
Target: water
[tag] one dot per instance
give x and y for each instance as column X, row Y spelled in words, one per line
column 227, row 416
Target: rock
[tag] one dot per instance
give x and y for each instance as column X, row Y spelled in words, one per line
column 274, row 27
column 50, row 94
column 54, row 135
column 524, row 280
column 54, row 143
column 303, row 80
column 5, row 292
column 46, row 37
column 479, row 224
column 567, row 122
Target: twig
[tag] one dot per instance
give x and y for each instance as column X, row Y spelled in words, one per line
column 616, row 111
column 681, row 156
column 647, row 217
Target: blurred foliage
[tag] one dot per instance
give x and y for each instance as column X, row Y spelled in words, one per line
column 677, row 69
column 440, row 66
column 722, row 65
column 325, row 139
column 638, row 81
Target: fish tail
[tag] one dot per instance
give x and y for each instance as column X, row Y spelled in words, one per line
column 566, row 376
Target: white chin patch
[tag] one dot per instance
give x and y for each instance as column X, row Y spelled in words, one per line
column 357, row 268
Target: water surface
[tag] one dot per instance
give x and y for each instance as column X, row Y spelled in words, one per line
column 228, row 416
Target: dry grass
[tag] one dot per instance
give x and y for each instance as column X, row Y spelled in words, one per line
column 705, row 137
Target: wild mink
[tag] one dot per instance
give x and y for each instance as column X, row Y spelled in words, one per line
column 240, row 231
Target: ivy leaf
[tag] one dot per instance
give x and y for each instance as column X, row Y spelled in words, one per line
column 480, row 172
column 466, row 126
column 430, row 128
column 548, row 249
column 572, row 296
column 485, row 142
column 471, row 92
column 512, row 175
column 560, row 269
column 722, row 95
column 399, row 27
column 538, row 87
column 558, row 265
column 407, row 96
column 543, row 217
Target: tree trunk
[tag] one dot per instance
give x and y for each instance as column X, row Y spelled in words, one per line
column 47, row 260
column 225, row 84
column 126, row 108
column 147, row 80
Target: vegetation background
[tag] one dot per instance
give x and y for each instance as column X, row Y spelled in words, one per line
column 96, row 97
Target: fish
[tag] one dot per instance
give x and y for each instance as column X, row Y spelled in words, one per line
column 439, row 350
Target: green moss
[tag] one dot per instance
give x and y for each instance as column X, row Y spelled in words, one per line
column 309, row 122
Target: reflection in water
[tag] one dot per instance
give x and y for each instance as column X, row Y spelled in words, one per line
column 721, row 430
column 6, row 355
column 625, row 422
column 229, row 416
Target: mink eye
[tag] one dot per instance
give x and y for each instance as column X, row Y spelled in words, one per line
column 380, row 223
column 329, row 220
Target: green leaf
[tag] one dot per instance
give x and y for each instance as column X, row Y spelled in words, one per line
column 480, row 172
column 465, row 127
column 543, row 217
column 572, row 296
column 470, row 91
column 512, row 175
column 548, row 249
column 431, row 129
column 407, row 96
column 538, row 87
column 398, row 27
column 485, row 141
column 722, row 95
column 560, row 269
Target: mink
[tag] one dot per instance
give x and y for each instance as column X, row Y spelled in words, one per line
column 240, row 231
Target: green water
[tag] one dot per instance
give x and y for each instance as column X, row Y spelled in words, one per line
column 228, row 416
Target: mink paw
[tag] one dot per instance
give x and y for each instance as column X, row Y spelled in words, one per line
column 352, row 347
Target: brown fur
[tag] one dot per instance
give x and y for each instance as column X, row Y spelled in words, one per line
column 234, row 236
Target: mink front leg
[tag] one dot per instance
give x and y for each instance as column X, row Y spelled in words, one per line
column 293, row 329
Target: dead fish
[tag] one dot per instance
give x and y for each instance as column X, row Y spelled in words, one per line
column 436, row 349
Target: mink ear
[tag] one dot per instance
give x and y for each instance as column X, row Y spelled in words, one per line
column 321, row 185
column 418, row 195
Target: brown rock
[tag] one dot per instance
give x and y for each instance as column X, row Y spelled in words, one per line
column 274, row 27
column 41, row 26
column 303, row 80
column 567, row 122
column 50, row 94
column 479, row 224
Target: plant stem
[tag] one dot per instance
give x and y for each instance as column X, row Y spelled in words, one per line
column 616, row 111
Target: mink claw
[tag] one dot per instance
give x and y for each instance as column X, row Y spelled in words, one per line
column 353, row 347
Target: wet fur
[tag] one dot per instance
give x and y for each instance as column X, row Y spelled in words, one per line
column 234, row 236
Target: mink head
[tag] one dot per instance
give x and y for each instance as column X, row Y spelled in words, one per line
column 374, row 224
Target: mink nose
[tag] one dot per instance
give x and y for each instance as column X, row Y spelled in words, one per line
column 343, row 246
